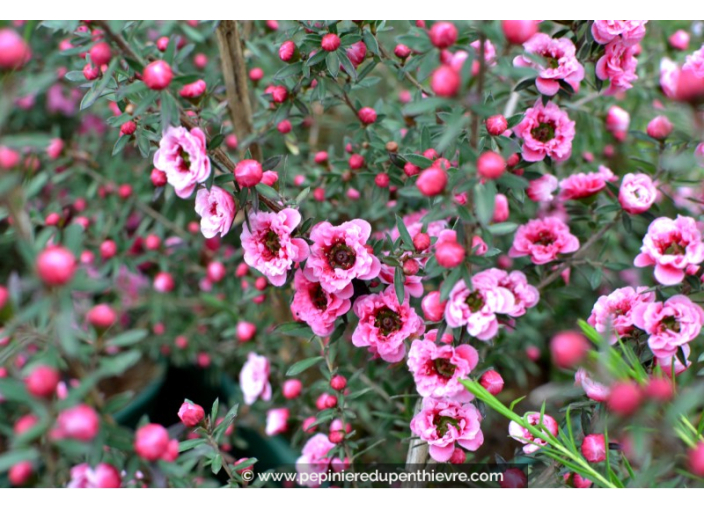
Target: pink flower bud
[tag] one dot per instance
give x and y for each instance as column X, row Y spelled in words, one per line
column 568, row 348
column 128, row 128
column 330, row 42
column 696, row 460
column 246, row 331
column 158, row 178
column 421, row 241
column 660, row 389
column 410, row 267
column 101, row 316
column 432, row 181
column 171, row 453
column 191, row 414
column 56, row 265
column 514, row 478
column 287, row 51
column 491, row 165
column 270, row 177
column 382, row 180
column 410, row 169
column 594, row 448
column 402, row 51
column 625, row 398
column 458, row 456
column 14, row 51
column 248, row 173
column 679, row 40
column 151, row 442
column 284, row 126
column 108, row 249
column 215, row 271
column 338, row 383
column 367, row 115
column 518, row 31
column 433, row 308
column 80, row 423
column 100, row 54
column 21, row 472
column 443, row 34
column 24, row 424
column 164, row 282
column 195, row 89
column 496, row 124
column 356, row 52
column 231, row 142
column 492, row 382
column 308, row 426
column 336, row 436
column 319, row 194
column 4, row 296
column 256, row 74
column 56, row 146
column 279, row 94
column 356, row 161
column 449, row 253
column 8, row 158
column 445, row 81
column 157, row 75
column 292, row 389
column 659, row 128
column 42, row 381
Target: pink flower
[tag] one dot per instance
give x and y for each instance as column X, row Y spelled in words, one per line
column 195, row 89
column 384, row 324
column 216, row 209
column 55, row 148
column 276, row 421
column 582, row 185
column 629, row 31
column 546, row 131
column 339, row 255
column 594, row 390
column 637, row 193
column 671, row 324
column 103, row 476
column 542, row 188
column 523, row 435
column 477, row 308
column 437, row 369
column 413, row 284
column 618, row 65
column 614, row 312
column 190, row 414
column 254, row 379
column 672, row 364
column 269, row 246
column 315, row 458
column 445, row 423
column 80, row 422
column 524, row 295
column 669, row 77
column 561, row 63
column 182, row 156
column 673, row 247
column 617, row 122
column 543, row 239
column 316, row 307
column 695, row 63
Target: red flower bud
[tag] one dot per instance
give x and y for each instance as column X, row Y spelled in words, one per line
column 158, row 178
column 518, row 31
column 367, row 115
column 191, row 414
column 496, row 124
column 432, row 181
column 490, row 165
column 594, row 448
column 248, row 173
column 330, row 42
column 338, row 383
column 625, row 398
column 568, row 348
column 492, row 382
column 56, row 265
column 157, row 75
column 292, row 389
column 100, row 54
column 443, row 34
column 402, row 51
column 421, row 241
column 42, row 381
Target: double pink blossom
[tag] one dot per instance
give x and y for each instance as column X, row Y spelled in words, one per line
column 583, row 185
column 340, row 254
column 523, row 435
column 614, row 312
column 671, row 324
column 524, row 295
column 546, row 131
column 618, row 65
column 384, row 324
column 542, row 188
column 637, row 193
column 316, row 307
column 444, row 424
column 695, row 63
column 561, row 63
column 476, row 308
column 628, row 31
column 438, row 369
column 673, row 247
column 543, row 240
column 617, row 122
column 183, row 158
column 594, row 390
column 216, row 208
column 269, row 246
column 254, row 379
column 103, row 476
column 315, row 458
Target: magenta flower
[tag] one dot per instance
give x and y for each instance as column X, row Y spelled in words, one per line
column 618, row 65
column 546, row 131
column 695, row 63
column 614, row 312
column 384, row 324
column 444, row 424
column 671, row 324
column 561, row 63
column 594, row 390
column 340, row 254
column 523, row 435
column 542, row 188
column 583, row 185
column 216, row 209
column 524, row 295
column 254, row 379
column 438, row 369
column 276, row 421
column 673, row 247
column 269, row 246
column 183, row 158
column 317, row 307
column 543, row 240
column 628, row 31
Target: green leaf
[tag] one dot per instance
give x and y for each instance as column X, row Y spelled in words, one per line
column 298, row 329
column 303, row 365
column 399, row 279
column 347, row 64
column 128, row 338
column 429, row 104
column 503, row 228
column 419, row 161
column 484, row 201
column 189, row 444
column 96, row 90
column 216, row 466
column 403, row 232
column 333, row 63
column 9, row 459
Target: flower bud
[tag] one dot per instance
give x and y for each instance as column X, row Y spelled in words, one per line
column 14, row 51
column 659, row 128
column 288, row 51
column 496, row 124
column 158, row 178
column 679, row 40
column 449, row 253
column 382, row 180
column 246, row 331
column 248, row 173
column 433, row 308
column 56, row 266
column 594, row 448
column 514, row 478
column 458, row 456
column 421, row 241
column 367, row 115
column 432, row 181
column 443, row 34
column 19, row 473
column 151, row 442
column 410, row 267
column 215, row 271
column 42, row 381
column 518, row 31
column 101, row 316
column 270, row 177
column 164, row 282
column 284, row 127
column 501, row 209
column 491, row 165
column 108, row 249
column 8, row 158
column 492, row 382
column 80, row 422
column 445, row 81
column 338, row 383
column 356, row 161
column 256, row 74
column 308, row 426
column 625, row 398
column 330, row 42
column 157, row 75
column 292, row 389
column 402, row 51
column 696, row 460
column 100, row 54
column 660, row 389
column 568, row 348
column 336, row 436
column 191, row 414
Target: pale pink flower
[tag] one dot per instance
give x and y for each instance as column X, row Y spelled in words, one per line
column 670, row 325
column 317, row 307
column 543, row 240
column 695, row 63
column 614, row 312
column 617, row 122
column 628, row 31
column 524, row 295
column 673, row 247
column 476, row 308
column 523, row 435
column 414, row 224
column 542, row 188
column 384, row 324
column 413, row 284
column 594, row 390
column 276, row 421
column 438, row 369
column 637, row 193
column 546, row 131
column 254, row 379
column 269, row 246
column 583, row 185
column 103, row 476
column 444, row 424
column 672, row 364
column 561, row 63
column 669, row 77
column 618, row 65
column 216, row 209
column 489, row 56
column 183, row 157
column 340, row 254
column 315, row 458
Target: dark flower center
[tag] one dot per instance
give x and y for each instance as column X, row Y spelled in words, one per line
column 318, row 297
column 271, row 241
column 185, row 165
column 544, row 238
column 544, row 132
column 387, row 321
column 443, row 422
column 444, row 368
column 671, row 324
column 475, row 301
column 674, row 249
column 341, row 256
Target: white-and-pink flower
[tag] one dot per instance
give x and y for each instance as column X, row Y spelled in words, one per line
column 637, row 193
column 543, row 240
column 561, row 64
column 618, row 65
column 594, row 390
column 216, row 208
column 182, row 156
column 614, row 312
column 671, row 324
column 628, row 31
column 316, row 307
column 542, row 188
column 254, row 379
column 315, row 458
column 523, row 435
column 546, row 131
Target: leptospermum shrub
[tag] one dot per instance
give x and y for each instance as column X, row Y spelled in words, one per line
column 425, row 241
